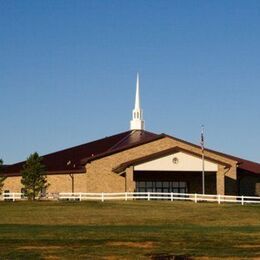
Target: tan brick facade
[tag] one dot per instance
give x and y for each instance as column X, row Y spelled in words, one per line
column 63, row 183
column 99, row 180
column 99, row 176
column 13, row 184
column 129, row 179
column 220, row 179
column 58, row 183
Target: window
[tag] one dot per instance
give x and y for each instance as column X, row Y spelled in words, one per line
column 162, row 186
column 166, row 184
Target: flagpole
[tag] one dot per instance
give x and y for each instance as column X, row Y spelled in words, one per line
column 203, row 159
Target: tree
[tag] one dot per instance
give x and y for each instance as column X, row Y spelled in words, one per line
column 34, row 176
column 2, row 178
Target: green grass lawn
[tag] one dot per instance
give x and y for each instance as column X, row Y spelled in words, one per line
column 128, row 230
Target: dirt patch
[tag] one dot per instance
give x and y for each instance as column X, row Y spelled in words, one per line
column 217, row 258
column 52, row 257
column 39, row 247
column 147, row 244
column 111, row 257
column 248, row 246
column 169, row 257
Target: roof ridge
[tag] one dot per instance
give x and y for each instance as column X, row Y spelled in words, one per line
column 88, row 159
column 120, row 141
column 70, row 148
column 73, row 147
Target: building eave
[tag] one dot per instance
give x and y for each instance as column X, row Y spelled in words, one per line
column 78, row 171
column 122, row 167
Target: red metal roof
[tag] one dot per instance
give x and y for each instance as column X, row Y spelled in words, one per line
column 74, row 158
column 243, row 164
column 70, row 159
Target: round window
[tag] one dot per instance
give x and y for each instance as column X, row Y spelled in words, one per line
column 175, row 160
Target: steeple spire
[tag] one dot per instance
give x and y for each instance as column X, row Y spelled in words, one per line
column 137, row 122
column 137, row 94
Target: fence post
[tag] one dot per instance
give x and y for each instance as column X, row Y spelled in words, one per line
column 218, row 198
column 195, row 198
column 13, row 197
column 148, row 197
column 125, row 196
column 171, row 196
column 102, row 197
column 242, row 200
column 80, row 196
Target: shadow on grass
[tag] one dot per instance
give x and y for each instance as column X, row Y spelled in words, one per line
column 128, row 241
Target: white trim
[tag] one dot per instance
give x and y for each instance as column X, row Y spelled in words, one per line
column 178, row 161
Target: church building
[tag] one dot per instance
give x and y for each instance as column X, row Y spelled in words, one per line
column 139, row 160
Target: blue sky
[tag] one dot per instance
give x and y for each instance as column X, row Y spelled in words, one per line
column 68, row 72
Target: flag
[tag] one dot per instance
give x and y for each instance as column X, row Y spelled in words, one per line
column 202, row 138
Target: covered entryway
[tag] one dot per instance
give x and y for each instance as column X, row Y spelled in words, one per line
column 174, row 181
column 176, row 170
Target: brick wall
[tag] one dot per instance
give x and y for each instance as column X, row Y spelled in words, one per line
column 13, row 184
column 101, row 178
column 58, row 183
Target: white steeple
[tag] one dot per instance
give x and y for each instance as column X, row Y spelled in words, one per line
column 137, row 123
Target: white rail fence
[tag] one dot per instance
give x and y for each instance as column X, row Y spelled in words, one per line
column 12, row 196
column 80, row 196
